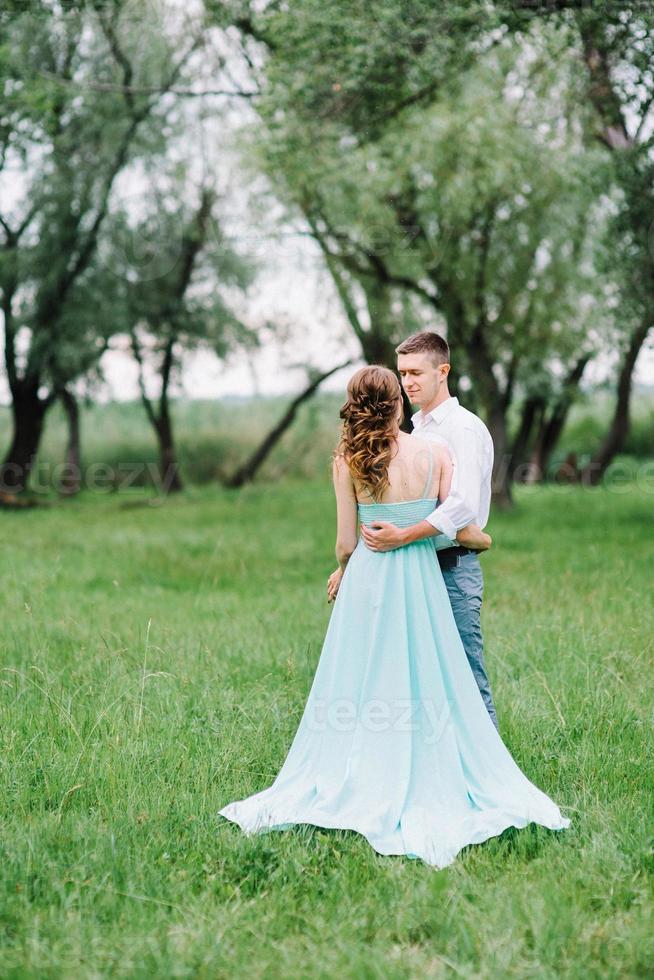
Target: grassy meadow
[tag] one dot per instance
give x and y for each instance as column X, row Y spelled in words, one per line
column 155, row 662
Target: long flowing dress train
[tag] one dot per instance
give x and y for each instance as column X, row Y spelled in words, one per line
column 395, row 741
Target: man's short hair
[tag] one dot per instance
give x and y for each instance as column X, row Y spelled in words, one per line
column 426, row 342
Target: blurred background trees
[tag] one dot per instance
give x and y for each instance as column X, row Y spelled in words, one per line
column 67, row 136
column 480, row 169
column 180, row 304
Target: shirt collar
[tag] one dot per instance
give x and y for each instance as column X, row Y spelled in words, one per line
column 437, row 415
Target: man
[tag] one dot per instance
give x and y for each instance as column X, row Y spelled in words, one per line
column 423, row 362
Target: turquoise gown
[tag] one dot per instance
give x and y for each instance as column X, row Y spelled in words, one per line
column 395, row 742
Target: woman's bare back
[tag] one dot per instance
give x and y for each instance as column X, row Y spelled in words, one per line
column 418, row 469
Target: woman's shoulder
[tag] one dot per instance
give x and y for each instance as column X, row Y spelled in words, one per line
column 340, row 468
column 429, row 447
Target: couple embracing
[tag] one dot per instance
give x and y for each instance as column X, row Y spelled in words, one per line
column 398, row 739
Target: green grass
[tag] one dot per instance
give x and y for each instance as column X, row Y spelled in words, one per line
column 156, row 662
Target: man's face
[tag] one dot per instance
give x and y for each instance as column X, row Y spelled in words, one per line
column 421, row 378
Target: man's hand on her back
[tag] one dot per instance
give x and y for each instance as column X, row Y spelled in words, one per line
column 383, row 536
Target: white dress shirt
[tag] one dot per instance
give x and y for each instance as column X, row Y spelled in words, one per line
column 471, row 448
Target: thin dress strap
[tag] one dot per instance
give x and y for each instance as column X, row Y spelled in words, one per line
column 425, row 492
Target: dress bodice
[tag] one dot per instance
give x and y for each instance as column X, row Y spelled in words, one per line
column 402, row 513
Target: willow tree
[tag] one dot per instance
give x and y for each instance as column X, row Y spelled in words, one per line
column 180, row 276
column 476, row 205
column 614, row 44
column 85, row 96
column 352, row 73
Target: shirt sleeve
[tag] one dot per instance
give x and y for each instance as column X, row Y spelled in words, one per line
column 462, row 504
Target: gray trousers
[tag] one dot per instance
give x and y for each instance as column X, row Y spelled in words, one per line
column 465, row 587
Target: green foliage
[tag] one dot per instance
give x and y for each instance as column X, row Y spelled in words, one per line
column 177, row 273
column 475, row 198
column 359, row 64
column 589, row 421
column 155, row 666
column 71, row 124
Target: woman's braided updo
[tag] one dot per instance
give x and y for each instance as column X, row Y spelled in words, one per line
column 370, row 426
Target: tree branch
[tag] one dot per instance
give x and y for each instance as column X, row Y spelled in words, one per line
column 247, row 471
column 11, row 235
column 119, row 55
column 614, row 134
column 166, row 369
column 138, row 357
column 341, row 288
column 376, row 267
column 52, row 302
column 645, row 108
column 129, row 90
column 247, row 27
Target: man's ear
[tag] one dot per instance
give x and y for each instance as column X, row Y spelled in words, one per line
column 446, row 370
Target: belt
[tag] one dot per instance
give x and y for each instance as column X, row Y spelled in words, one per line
column 449, row 557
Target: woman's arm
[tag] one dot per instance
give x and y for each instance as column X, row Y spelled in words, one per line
column 346, row 512
column 346, row 523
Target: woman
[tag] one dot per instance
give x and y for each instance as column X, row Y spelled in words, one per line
column 395, row 741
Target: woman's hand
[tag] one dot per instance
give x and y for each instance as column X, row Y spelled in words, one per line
column 473, row 537
column 333, row 583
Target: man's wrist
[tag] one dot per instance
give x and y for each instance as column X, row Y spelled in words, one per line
column 417, row 532
column 405, row 536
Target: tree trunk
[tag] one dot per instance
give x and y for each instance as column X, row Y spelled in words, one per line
column 502, row 473
column 377, row 346
column 551, row 427
column 379, row 350
column 532, row 412
column 28, row 414
column 548, row 436
column 245, row 473
column 495, row 405
column 160, row 419
column 171, row 481
column 620, row 424
column 71, row 479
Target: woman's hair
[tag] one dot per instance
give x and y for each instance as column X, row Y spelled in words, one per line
column 370, row 426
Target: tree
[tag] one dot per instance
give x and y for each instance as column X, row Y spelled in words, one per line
column 353, row 73
column 69, row 138
column 460, row 203
column 615, row 43
column 183, row 300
